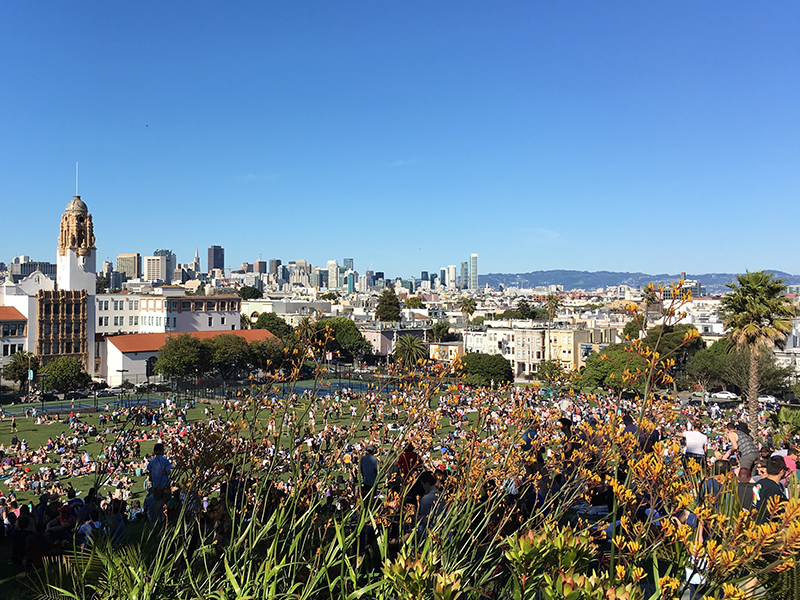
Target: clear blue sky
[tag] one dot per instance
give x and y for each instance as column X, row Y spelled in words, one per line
column 625, row 136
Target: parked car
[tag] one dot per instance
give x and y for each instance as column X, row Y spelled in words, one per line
column 76, row 395
column 767, row 398
column 724, row 395
column 48, row 397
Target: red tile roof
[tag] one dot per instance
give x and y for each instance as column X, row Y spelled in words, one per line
column 152, row 342
column 9, row 313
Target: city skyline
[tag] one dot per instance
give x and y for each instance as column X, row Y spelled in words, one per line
column 542, row 137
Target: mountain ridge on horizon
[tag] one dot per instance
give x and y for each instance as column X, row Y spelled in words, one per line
column 571, row 279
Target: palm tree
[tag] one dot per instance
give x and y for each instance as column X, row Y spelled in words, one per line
column 468, row 306
column 757, row 317
column 410, row 349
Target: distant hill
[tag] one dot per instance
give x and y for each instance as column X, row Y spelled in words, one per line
column 589, row 280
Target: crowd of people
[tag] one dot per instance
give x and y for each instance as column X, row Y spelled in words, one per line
column 398, row 447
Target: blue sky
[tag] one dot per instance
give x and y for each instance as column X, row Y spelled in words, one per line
column 655, row 137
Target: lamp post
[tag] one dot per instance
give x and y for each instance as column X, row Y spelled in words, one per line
column 121, row 376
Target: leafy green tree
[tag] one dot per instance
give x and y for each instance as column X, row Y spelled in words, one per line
column 736, row 370
column 469, row 306
column 183, row 356
column 274, row 324
column 549, row 371
column 229, row 355
column 330, row 296
column 410, row 349
column 269, row 355
column 244, row 321
column 413, row 302
column 524, row 309
column 632, row 330
column 483, row 369
column 18, row 365
column 342, row 336
column 388, row 309
column 478, row 321
column 607, row 368
column 440, row 331
column 757, row 317
column 705, row 367
column 249, row 292
column 100, row 285
column 64, row 373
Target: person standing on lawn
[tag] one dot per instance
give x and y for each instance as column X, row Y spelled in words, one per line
column 158, row 469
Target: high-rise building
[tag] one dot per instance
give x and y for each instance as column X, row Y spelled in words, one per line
column 274, row 263
column 259, row 266
column 348, row 264
column 216, row 258
column 424, row 276
column 195, row 265
column 130, row 264
column 333, row 275
column 155, row 269
column 172, row 262
column 473, row 271
column 464, row 275
column 442, row 276
column 451, row 276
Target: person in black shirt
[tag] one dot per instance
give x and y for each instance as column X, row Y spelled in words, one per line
column 770, row 487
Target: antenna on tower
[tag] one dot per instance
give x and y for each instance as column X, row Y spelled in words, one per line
column 76, row 177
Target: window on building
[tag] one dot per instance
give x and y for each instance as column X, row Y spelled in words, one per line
column 100, row 321
column 68, row 328
column 105, row 321
column 67, row 347
column 136, row 320
column 105, row 305
column 21, row 329
column 47, row 328
column 186, row 305
column 114, row 305
column 55, row 347
column 135, row 305
column 55, row 328
column 47, row 309
column 68, row 308
column 46, row 349
column 130, row 320
column 5, row 349
column 223, row 320
column 55, row 309
column 174, row 322
column 210, row 321
column 158, row 321
column 77, row 328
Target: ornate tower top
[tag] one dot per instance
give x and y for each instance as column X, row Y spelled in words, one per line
column 77, row 231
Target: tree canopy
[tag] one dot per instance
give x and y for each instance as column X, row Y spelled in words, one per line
column 468, row 306
column 274, row 324
column 64, row 373
column 183, row 356
column 17, row 367
column 343, row 337
column 388, row 309
column 483, row 369
column 413, row 302
column 229, row 355
column 249, row 292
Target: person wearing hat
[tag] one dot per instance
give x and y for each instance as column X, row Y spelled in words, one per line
column 369, row 469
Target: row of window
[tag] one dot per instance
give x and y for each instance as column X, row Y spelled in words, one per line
column 13, row 329
column 55, row 328
column 69, row 309
column 117, row 304
column 186, row 305
column 9, row 349
column 62, row 348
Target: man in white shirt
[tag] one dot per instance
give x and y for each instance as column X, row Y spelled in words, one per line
column 696, row 445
